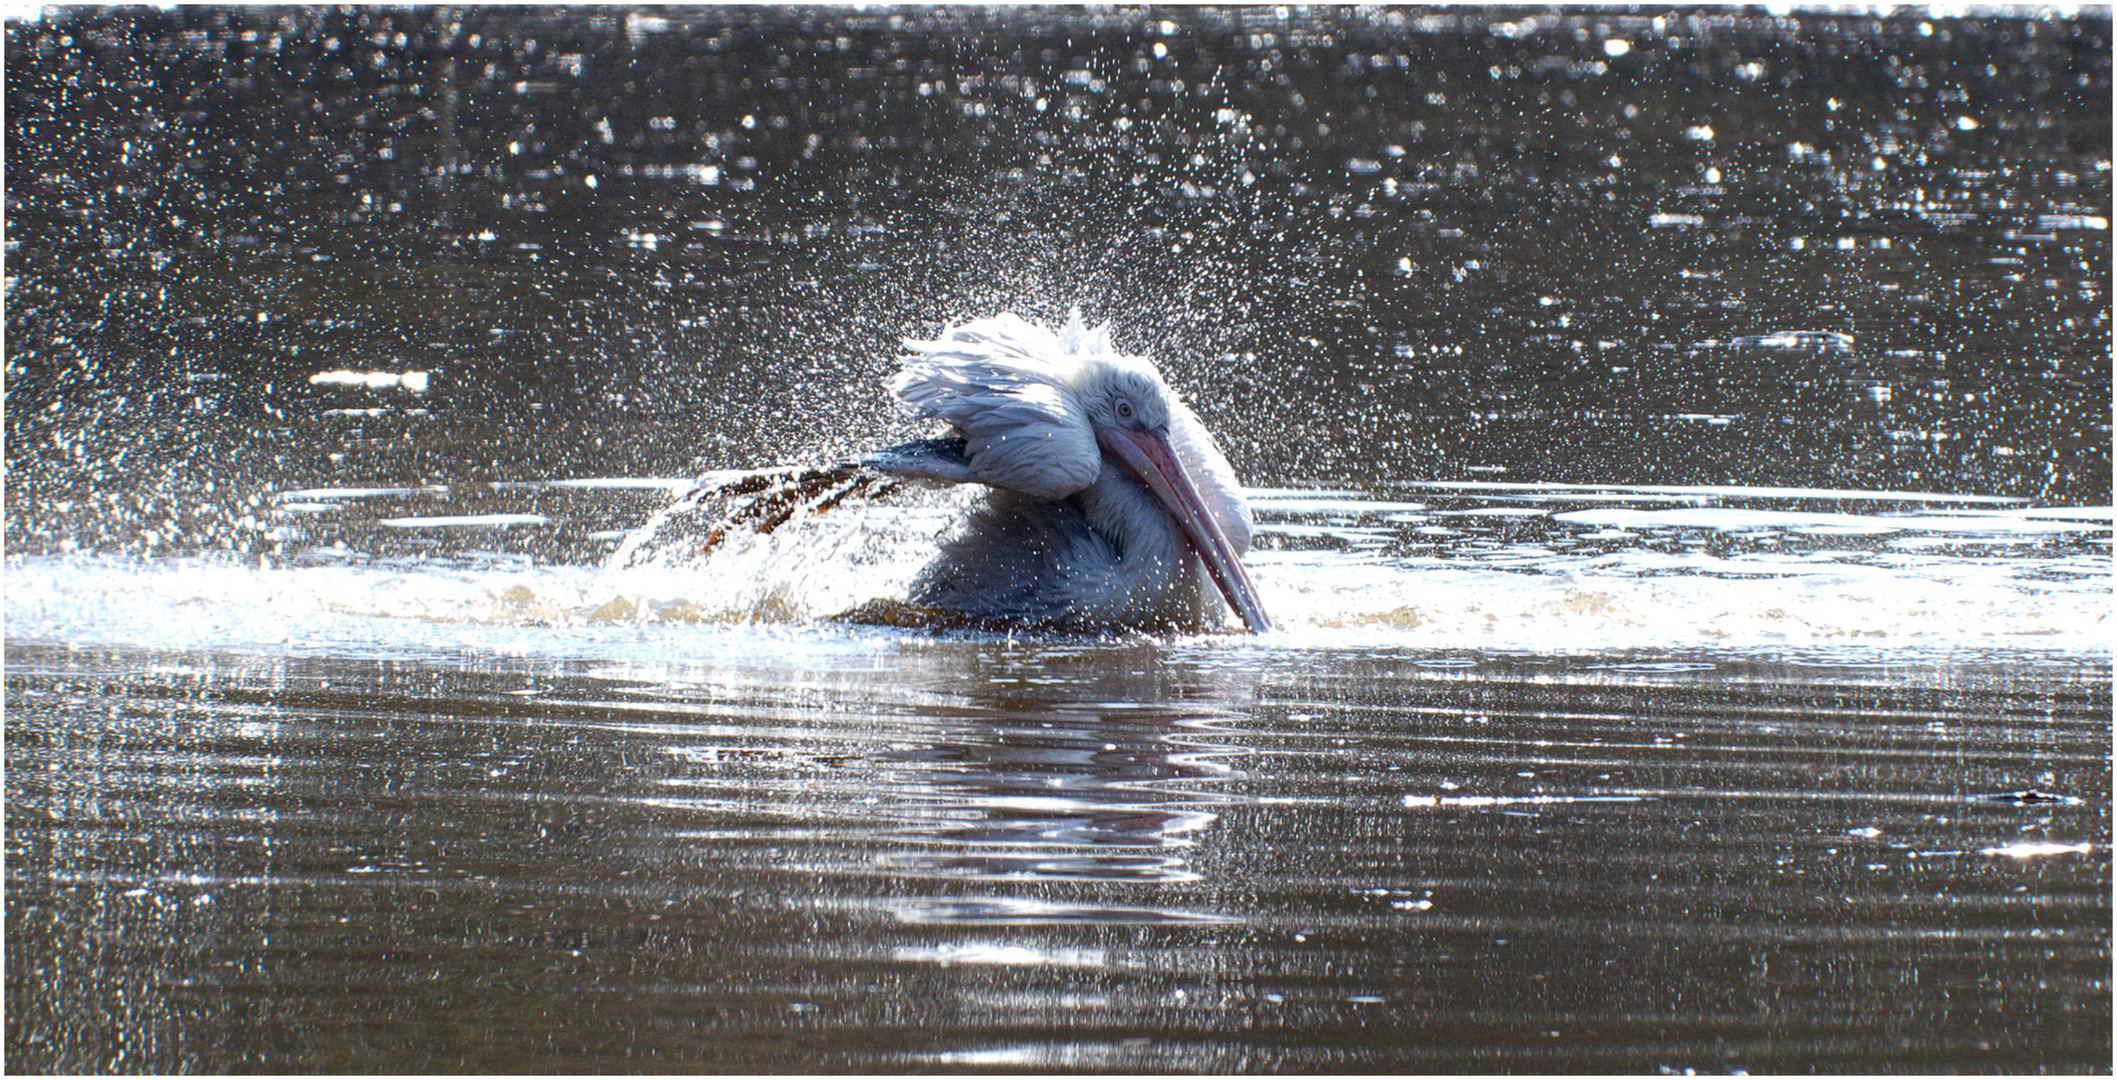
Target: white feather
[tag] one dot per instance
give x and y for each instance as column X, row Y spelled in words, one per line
column 1076, row 337
column 1007, row 385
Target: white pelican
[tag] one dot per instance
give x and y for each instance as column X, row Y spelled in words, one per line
column 1110, row 504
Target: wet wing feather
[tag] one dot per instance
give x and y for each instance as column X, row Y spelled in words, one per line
column 944, row 460
column 1004, row 384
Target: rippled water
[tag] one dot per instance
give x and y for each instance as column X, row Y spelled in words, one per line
column 1680, row 448
column 801, row 848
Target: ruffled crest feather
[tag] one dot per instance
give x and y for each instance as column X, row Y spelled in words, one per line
column 1077, row 338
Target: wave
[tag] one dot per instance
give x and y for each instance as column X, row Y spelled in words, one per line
column 1485, row 566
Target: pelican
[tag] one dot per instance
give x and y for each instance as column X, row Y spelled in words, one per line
column 1109, row 504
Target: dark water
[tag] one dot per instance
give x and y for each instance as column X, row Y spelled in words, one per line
column 1681, row 445
column 1134, row 856
column 1385, row 245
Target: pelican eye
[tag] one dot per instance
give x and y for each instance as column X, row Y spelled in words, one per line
column 1124, row 409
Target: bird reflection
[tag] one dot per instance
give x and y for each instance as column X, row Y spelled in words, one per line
column 1084, row 798
column 1061, row 789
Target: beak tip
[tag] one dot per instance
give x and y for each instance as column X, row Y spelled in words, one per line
column 1150, row 457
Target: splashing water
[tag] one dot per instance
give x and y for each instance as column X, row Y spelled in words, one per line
column 782, row 546
column 1517, row 567
column 1680, row 442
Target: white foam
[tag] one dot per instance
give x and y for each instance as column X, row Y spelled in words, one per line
column 475, row 521
column 1735, row 491
column 1644, row 599
column 382, row 609
column 1728, row 518
column 306, row 494
column 2062, row 513
column 676, row 485
column 1326, row 504
column 1371, row 575
column 1523, row 599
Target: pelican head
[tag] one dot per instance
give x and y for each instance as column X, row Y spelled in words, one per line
column 1109, row 491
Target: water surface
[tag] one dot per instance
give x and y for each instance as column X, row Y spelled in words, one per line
column 1680, row 444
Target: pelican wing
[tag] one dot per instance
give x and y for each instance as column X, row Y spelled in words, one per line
column 1004, row 384
column 944, row 460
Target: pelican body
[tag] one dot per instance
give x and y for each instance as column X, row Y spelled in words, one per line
column 1109, row 503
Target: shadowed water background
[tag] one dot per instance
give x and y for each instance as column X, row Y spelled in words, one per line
column 1681, row 454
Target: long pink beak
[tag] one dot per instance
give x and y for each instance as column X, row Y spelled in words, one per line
column 1148, row 455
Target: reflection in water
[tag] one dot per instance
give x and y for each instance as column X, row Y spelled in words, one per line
column 1006, row 778
column 1134, row 855
column 1104, row 790
column 1676, row 424
column 1063, row 803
